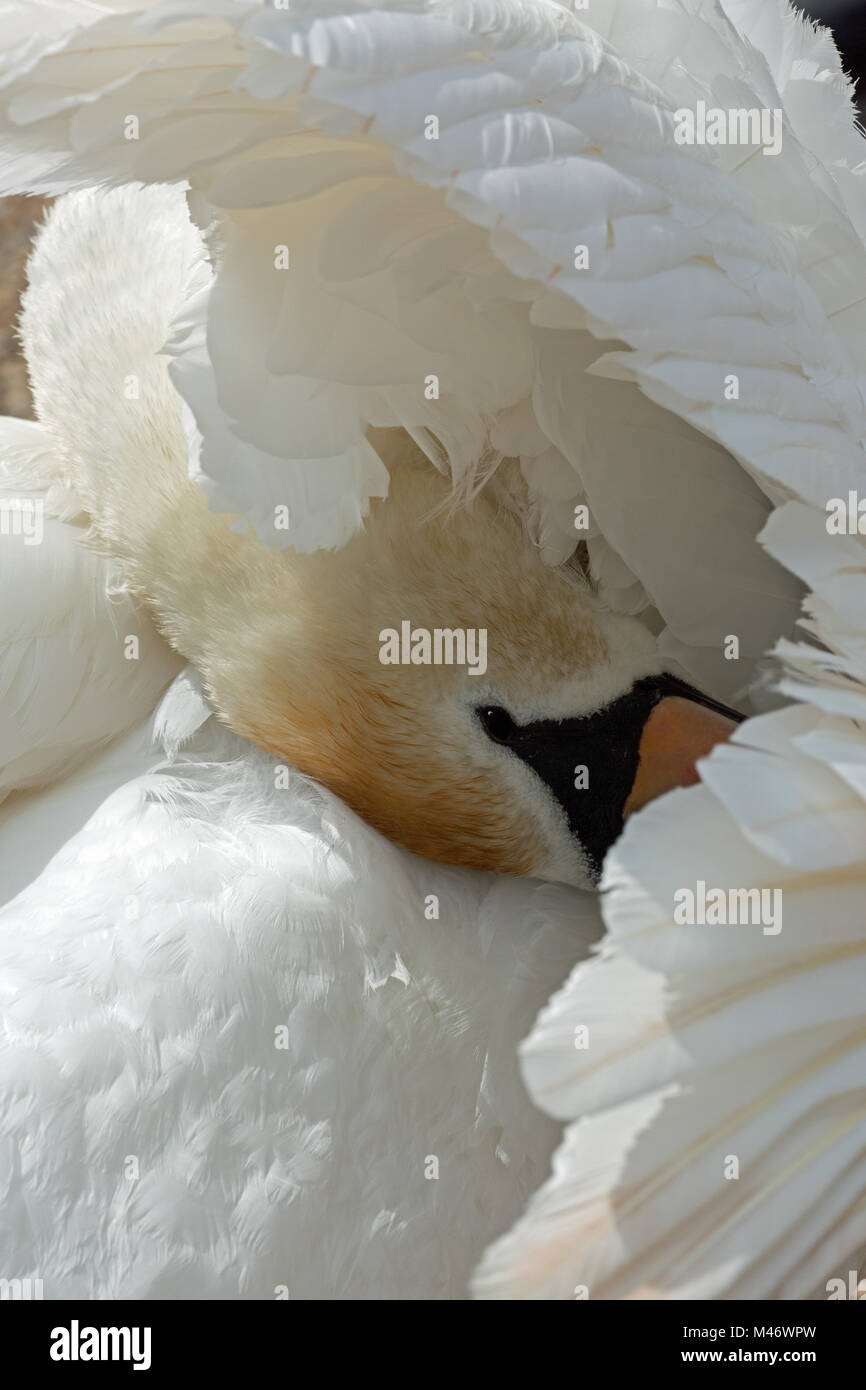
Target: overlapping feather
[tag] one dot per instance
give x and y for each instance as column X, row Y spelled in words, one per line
column 428, row 172
column 79, row 662
column 239, row 1058
column 720, row 1146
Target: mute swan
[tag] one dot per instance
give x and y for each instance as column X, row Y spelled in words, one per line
column 430, row 177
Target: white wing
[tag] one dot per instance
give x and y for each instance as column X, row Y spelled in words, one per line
column 720, row 1153
column 79, row 663
column 719, row 1149
column 399, row 197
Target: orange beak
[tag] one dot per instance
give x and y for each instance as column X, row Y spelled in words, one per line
column 677, row 733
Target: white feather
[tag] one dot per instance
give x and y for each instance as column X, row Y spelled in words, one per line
column 527, row 134
column 279, row 1051
column 79, row 662
column 736, row 1043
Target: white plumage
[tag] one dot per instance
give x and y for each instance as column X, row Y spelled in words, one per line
column 410, row 257
column 62, row 617
column 413, row 257
column 733, row 1042
column 233, row 1043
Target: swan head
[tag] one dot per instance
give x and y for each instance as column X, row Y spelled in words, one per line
column 525, row 755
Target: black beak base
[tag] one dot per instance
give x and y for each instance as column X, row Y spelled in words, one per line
column 607, row 746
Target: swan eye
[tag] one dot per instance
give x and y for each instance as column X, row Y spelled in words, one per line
column 497, row 724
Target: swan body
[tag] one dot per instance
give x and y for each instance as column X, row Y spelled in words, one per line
column 241, row 1059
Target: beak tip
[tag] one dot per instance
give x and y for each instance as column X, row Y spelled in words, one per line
column 676, row 735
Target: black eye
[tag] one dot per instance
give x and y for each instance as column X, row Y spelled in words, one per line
column 497, row 724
